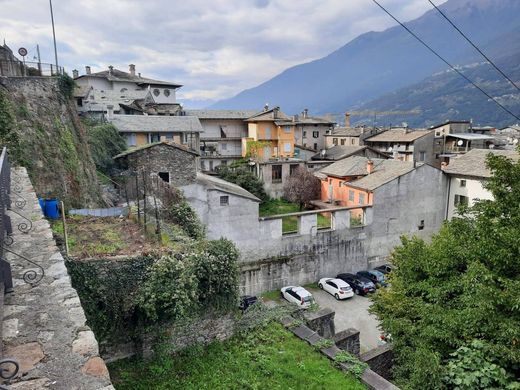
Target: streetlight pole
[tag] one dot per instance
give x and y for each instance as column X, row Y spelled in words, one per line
column 54, row 36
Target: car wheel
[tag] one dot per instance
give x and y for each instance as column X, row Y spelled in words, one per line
column 336, row 296
column 357, row 292
column 320, row 286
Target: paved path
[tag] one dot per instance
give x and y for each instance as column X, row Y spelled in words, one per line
column 44, row 324
column 352, row 313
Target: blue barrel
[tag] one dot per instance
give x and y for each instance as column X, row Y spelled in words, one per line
column 41, row 201
column 51, row 210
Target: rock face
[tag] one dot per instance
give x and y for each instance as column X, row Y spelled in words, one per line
column 51, row 142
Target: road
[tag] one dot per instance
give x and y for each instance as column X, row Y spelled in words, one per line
column 352, row 313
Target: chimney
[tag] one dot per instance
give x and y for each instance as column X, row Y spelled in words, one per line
column 87, row 69
column 266, row 107
column 370, row 166
column 75, row 74
column 132, row 69
column 305, row 112
column 110, row 69
column 347, row 119
column 275, row 112
column 139, row 74
column 110, row 112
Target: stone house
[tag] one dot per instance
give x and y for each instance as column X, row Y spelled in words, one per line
column 274, row 174
column 173, row 163
column 467, row 175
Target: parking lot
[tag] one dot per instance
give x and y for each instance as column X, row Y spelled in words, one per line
column 351, row 313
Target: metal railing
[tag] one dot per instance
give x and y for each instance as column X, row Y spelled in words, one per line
column 26, row 69
column 5, row 221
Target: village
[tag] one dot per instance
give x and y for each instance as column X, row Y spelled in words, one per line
column 150, row 241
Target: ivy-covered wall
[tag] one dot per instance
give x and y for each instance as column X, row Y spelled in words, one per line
column 40, row 126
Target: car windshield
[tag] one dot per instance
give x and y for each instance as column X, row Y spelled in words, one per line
column 345, row 288
column 308, row 298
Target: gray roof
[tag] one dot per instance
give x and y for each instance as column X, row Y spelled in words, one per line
column 473, row 163
column 221, row 114
column 269, row 115
column 384, row 171
column 399, row 135
column 119, row 75
column 154, row 144
column 338, row 152
column 216, row 184
column 470, row 136
column 156, row 123
column 313, row 120
column 346, row 132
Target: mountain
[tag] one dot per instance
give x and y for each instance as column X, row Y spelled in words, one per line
column 377, row 63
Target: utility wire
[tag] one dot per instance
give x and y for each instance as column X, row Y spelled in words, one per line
column 475, row 46
column 446, row 62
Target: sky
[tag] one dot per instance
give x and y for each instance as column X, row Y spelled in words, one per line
column 214, row 48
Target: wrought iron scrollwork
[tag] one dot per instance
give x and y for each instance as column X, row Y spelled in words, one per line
column 30, row 276
column 24, row 226
column 8, row 370
column 20, row 202
column 8, row 240
column 16, row 187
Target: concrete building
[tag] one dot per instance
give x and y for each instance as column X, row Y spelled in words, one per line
column 344, row 136
column 339, row 152
column 221, row 140
column 467, row 175
column 274, row 174
column 451, row 127
column 173, row 163
column 139, row 130
column 405, row 144
column 310, row 131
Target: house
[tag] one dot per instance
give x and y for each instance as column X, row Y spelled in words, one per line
column 467, row 175
column 310, row 132
column 173, row 163
column 274, row 173
column 270, row 134
column 139, row 130
column 127, row 92
column 221, row 140
column 226, row 209
column 339, row 152
column 345, row 136
column 405, row 144
column 451, row 127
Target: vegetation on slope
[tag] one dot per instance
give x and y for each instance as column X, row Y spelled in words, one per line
column 105, row 142
column 268, row 358
column 453, row 310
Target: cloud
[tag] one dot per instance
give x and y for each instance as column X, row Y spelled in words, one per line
column 214, row 49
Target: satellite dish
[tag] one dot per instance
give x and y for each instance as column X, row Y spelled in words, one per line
column 323, row 153
column 460, row 142
column 390, row 148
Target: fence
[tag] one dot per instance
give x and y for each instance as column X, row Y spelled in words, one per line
column 5, row 220
column 26, row 69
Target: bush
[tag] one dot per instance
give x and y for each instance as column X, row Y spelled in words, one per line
column 105, row 143
column 240, row 174
column 66, row 86
column 182, row 214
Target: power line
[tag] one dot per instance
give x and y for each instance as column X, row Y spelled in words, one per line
column 445, row 61
column 475, row 46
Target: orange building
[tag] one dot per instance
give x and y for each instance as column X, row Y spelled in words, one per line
column 352, row 181
column 270, row 134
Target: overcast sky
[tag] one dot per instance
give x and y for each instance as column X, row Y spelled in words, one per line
column 215, row 48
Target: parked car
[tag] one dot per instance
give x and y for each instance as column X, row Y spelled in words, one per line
column 297, row 295
column 360, row 285
column 385, row 268
column 247, row 301
column 378, row 278
column 336, row 287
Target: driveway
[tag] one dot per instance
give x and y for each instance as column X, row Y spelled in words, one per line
column 352, row 313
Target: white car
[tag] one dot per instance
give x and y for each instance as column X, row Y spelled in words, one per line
column 297, row 295
column 336, row 287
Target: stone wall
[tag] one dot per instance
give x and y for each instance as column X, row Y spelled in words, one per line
column 348, row 340
column 380, row 360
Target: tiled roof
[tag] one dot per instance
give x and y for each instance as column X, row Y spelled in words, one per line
column 398, row 135
column 313, row 120
column 346, row 132
column 268, row 115
column 338, row 152
column 384, row 171
column 154, row 144
column 156, row 123
column 221, row 114
column 119, row 75
column 214, row 183
column 473, row 163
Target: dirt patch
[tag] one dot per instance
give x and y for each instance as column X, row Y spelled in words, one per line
column 92, row 236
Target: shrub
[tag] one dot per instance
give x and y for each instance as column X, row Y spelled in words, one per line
column 105, row 142
column 182, row 214
column 240, row 174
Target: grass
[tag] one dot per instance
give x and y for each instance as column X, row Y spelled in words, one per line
column 290, row 224
column 269, row 358
column 274, row 295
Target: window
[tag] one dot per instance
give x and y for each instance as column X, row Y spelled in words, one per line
column 168, row 136
column 437, row 133
column 276, row 175
column 154, row 137
column 315, row 146
column 123, row 90
column 351, row 195
column 463, row 183
column 361, row 198
column 422, row 155
column 166, row 92
column 268, row 132
column 342, row 141
column 223, row 146
column 315, row 134
column 293, row 168
column 287, row 147
column 461, row 200
column 165, row 176
column 211, row 165
column 334, row 141
column 130, row 139
column 352, row 141
column 304, row 134
column 223, row 162
column 421, row 225
column 287, row 129
column 224, row 200
column 156, row 92
column 79, row 101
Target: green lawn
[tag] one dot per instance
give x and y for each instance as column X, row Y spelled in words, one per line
column 290, row 224
column 270, row 358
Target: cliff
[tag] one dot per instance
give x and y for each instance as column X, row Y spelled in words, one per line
column 40, row 126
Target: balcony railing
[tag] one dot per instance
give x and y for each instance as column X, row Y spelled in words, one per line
column 21, row 69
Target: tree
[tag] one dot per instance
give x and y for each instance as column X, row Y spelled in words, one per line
column 302, row 187
column 105, row 142
column 240, row 174
column 462, row 286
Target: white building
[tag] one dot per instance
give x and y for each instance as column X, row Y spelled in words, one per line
column 467, row 174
